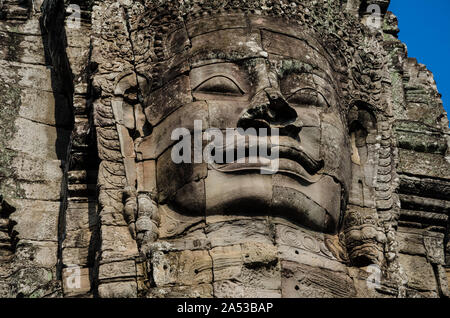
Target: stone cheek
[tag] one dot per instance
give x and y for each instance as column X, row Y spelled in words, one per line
column 335, row 149
column 326, row 192
column 236, row 192
column 152, row 146
column 165, row 100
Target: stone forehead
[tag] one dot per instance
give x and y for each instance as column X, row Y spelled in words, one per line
column 337, row 32
column 324, row 17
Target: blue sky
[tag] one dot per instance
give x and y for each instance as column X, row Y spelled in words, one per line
column 425, row 28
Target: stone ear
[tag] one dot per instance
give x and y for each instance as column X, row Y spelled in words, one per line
column 364, row 237
column 363, row 133
column 129, row 119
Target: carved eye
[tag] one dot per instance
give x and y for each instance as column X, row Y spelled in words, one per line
column 219, row 85
column 308, row 96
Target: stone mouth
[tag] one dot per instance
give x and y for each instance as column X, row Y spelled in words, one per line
column 292, row 149
column 292, row 159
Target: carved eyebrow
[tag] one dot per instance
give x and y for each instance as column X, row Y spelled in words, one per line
column 308, row 89
column 290, row 66
column 231, row 71
column 219, row 76
column 205, row 57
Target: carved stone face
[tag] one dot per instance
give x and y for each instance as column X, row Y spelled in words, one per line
column 252, row 77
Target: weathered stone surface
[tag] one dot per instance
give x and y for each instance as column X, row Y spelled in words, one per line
column 195, row 239
column 419, row 273
column 154, row 145
column 39, row 139
column 37, row 221
column 411, row 241
column 237, row 40
column 173, row 224
column 171, row 177
column 117, row 243
column 39, row 253
column 184, row 268
column 146, row 176
column 259, row 254
column 448, row 275
column 158, row 108
column 78, row 238
column 325, row 192
column 229, row 21
column 88, row 180
column 369, row 283
column 231, row 289
column 37, row 169
column 304, row 257
column 52, row 114
column 31, row 282
column 309, row 282
column 423, row 164
column 117, row 270
column 198, row 291
column 227, row 262
column 118, row 290
column 233, row 231
column 252, row 191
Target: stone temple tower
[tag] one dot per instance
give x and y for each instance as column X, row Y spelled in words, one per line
column 92, row 203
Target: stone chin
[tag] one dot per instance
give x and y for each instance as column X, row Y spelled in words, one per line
column 313, row 203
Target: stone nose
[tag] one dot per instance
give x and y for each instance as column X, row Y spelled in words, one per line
column 269, row 109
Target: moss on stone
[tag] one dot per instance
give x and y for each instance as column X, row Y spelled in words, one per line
column 10, row 102
column 12, row 43
column 292, row 66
